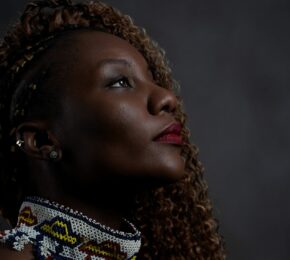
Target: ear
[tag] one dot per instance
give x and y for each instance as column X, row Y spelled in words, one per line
column 37, row 141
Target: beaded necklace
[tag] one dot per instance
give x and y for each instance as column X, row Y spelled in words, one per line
column 58, row 232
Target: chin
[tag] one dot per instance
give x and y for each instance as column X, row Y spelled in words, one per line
column 173, row 168
column 169, row 173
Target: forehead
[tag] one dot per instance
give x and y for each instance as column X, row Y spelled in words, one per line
column 91, row 46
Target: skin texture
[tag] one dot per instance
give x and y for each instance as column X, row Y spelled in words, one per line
column 111, row 111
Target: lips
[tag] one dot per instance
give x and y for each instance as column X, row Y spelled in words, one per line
column 170, row 135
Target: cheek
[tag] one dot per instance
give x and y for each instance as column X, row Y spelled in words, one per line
column 124, row 123
column 116, row 140
column 114, row 136
column 124, row 133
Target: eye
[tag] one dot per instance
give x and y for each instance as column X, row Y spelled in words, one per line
column 121, row 83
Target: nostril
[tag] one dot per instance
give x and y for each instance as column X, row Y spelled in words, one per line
column 162, row 100
column 167, row 108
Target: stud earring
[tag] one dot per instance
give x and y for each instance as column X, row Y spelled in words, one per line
column 53, row 154
column 19, row 142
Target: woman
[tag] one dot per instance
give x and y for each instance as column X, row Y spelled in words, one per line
column 90, row 120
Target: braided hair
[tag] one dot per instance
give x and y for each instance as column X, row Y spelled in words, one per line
column 176, row 221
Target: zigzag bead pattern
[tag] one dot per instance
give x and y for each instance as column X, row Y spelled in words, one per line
column 59, row 232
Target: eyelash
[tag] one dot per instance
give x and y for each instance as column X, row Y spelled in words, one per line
column 123, row 79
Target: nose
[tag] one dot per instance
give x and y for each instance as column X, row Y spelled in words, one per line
column 161, row 101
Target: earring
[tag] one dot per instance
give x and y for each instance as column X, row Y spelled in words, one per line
column 19, row 142
column 53, row 154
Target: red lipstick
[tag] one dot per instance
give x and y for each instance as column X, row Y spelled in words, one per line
column 170, row 135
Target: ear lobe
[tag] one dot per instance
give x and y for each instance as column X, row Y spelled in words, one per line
column 49, row 152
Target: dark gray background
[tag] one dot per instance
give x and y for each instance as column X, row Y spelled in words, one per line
column 232, row 59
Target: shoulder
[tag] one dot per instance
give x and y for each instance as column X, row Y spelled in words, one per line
column 10, row 254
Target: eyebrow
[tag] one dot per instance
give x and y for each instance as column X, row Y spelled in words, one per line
column 104, row 62
column 124, row 62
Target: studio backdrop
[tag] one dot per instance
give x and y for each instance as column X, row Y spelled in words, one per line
column 232, row 59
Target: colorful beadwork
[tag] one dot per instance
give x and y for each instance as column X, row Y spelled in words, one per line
column 58, row 232
column 106, row 249
column 26, row 217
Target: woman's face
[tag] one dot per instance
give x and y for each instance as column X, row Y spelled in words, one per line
column 112, row 111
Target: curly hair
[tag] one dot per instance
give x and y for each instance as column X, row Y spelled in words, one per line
column 176, row 221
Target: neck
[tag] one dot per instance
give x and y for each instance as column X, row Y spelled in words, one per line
column 105, row 205
column 111, row 216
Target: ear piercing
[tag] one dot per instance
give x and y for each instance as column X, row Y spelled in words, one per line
column 19, row 142
column 53, row 154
